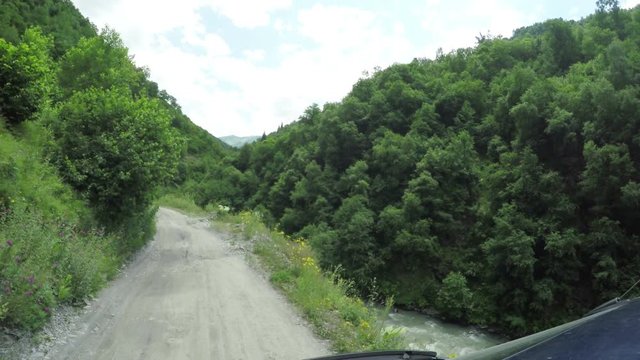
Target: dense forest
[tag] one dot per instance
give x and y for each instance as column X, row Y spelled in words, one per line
column 498, row 185
column 87, row 142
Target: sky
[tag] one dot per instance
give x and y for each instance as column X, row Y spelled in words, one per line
column 244, row 67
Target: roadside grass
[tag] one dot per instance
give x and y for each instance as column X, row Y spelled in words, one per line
column 50, row 250
column 44, row 264
column 323, row 297
column 180, row 202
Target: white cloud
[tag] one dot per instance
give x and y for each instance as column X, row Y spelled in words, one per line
column 281, row 26
column 458, row 23
column 230, row 83
column 628, row 4
column 212, row 44
column 336, row 26
column 141, row 21
column 235, row 92
column 249, row 13
column 256, row 55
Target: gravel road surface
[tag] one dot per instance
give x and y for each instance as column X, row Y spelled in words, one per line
column 187, row 296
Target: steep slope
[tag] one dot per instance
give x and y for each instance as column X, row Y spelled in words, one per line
column 56, row 17
column 204, row 154
column 86, row 141
column 497, row 184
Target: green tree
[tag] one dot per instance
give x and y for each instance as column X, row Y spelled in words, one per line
column 115, row 150
column 445, row 187
column 99, row 62
column 26, row 75
column 57, row 18
column 511, row 263
column 515, row 163
column 608, row 169
column 393, row 159
column 607, row 5
column 562, row 46
column 454, row 298
column 308, row 202
column 355, row 180
column 355, row 247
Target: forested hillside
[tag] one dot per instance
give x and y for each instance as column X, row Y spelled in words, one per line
column 498, row 184
column 87, row 142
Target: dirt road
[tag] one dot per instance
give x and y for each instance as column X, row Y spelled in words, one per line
column 187, row 296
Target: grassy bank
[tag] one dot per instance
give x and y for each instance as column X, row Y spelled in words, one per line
column 52, row 249
column 179, row 202
column 324, row 298
column 50, row 253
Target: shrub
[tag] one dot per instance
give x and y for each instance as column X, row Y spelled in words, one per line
column 43, row 263
column 454, row 298
column 115, row 150
column 26, row 75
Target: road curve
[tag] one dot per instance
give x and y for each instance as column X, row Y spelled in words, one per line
column 186, row 296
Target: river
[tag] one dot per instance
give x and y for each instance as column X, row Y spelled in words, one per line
column 427, row 333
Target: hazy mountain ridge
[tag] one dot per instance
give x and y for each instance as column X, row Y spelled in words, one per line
column 238, row 141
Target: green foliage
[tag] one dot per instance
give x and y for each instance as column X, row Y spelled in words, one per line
column 115, row 138
column 26, row 75
column 454, row 297
column 49, row 252
column 43, row 263
column 28, row 180
column 115, row 150
column 562, row 45
column 100, row 62
column 607, row 170
column 177, row 201
column 508, row 171
column 354, row 246
column 58, row 18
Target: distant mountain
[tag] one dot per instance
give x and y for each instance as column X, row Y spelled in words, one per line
column 238, row 141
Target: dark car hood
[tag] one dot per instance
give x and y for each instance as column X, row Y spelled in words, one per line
column 610, row 332
column 614, row 334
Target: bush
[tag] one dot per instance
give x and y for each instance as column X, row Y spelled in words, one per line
column 25, row 178
column 26, row 75
column 43, row 263
column 49, row 251
column 181, row 202
column 115, row 150
column 454, row 298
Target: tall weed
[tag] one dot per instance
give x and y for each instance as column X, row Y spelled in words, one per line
column 50, row 252
column 44, row 263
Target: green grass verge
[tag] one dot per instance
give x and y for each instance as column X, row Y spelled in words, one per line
column 45, row 263
column 50, row 251
column 180, row 202
column 324, row 298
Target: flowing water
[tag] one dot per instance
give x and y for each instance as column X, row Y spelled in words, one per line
column 427, row 333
